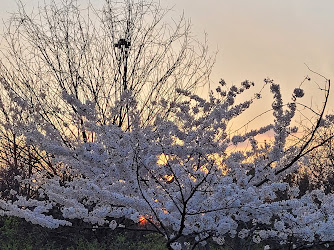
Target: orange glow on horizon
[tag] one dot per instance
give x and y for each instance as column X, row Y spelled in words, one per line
column 142, row 221
column 169, row 178
column 162, row 159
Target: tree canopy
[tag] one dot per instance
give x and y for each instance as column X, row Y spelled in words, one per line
column 113, row 134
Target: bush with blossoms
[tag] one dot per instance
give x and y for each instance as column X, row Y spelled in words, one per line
column 178, row 175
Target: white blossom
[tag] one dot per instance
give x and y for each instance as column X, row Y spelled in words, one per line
column 178, row 174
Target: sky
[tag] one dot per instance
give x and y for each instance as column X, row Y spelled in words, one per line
column 267, row 38
column 256, row 39
column 262, row 38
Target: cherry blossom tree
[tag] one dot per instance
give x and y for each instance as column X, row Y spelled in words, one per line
column 95, row 56
column 98, row 54
column 175, row 176
column 170, row 171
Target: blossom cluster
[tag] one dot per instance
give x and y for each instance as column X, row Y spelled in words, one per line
column 177, row 173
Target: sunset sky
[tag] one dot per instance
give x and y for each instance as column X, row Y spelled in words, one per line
column 267, row 38
column 258, row 39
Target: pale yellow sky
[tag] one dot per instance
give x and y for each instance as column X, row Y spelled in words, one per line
column 265, row 37
column 258, row 39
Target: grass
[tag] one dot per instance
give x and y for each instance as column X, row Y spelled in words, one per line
column 17, row 234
